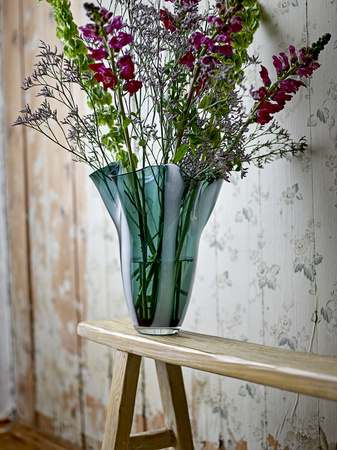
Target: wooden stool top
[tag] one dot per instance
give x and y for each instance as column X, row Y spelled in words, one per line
column 305, row 373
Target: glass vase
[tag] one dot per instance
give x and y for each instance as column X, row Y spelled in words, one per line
column 159, row 213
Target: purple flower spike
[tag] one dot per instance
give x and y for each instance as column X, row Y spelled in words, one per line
column 225, row 50
column 90, row 31
column 98, row 54
column 225, row 38
column 293, row 55
column 116, row 24
column 307, row 70
column 120, row 41
column 265, row 76
column 216, row 21
column 221, row 7
column 208, row 43
column 277, row 64
column 197, row 39
column 187, row 59
column 235, row 25
column 285, row 61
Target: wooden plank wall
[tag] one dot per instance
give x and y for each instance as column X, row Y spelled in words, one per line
column 64, row 261
column 6, row 360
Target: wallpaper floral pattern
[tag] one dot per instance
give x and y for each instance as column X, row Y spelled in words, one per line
column 267, row 265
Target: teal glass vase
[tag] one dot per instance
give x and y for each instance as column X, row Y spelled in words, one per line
column 159, row 213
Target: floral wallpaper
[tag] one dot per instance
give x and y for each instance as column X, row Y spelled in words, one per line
column 267, row 264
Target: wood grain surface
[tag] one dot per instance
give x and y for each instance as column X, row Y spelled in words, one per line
column 294, row 371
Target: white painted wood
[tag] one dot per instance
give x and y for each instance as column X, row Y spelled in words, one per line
column 6, row 347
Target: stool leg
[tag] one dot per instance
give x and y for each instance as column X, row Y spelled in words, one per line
column 121, row 401
column 174, row 401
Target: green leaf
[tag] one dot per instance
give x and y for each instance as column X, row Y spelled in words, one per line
column 126, row 122
column 180, row 153
column 194, row 140
column 142, row 142
column 59, row 33
column 204, row 102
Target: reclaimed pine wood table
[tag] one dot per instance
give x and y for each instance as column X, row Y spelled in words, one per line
column 304, row 373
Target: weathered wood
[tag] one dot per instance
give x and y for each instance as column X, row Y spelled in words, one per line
column 153, row 439
column 16, row 154
column 174, row 402
column 294, row 371
column 52, row 255
column 121, row 401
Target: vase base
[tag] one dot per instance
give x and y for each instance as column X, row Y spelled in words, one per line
column 157, row 331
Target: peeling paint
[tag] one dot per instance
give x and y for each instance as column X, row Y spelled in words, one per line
column 97, row 410
column 241, row 445
column 274, row 444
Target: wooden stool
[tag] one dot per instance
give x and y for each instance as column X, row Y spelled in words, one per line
column 285, row 369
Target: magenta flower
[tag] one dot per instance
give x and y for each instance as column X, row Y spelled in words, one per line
column 260, row 94
column 225, row 38
column 95, row 67
column 106, row 15
column 208, row 43
column 277, row 64
column 115, row 25
column 293, row 55
column 281, row 98
column 302, row 58
column 216, row 21
column 225, row 50
column 210, row 61
column 197, row 39
column 98, row 53
column 285, row 61
column 104, row 75
column 290, row 86
column 127, row 67
column 90, row 31
column 306, row 71
column 265, row 76
column 167, row 20
column 235, row 25
column 187, row 59
column 265, row 110
column 221, row 7
column 133, row 86
column 120, row 41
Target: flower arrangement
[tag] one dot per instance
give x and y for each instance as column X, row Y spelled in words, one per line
column 165, row 85
column 166, row 125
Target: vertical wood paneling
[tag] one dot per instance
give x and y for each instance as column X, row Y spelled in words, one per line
column 52, row 260
column 17, row 213
column 6, row 350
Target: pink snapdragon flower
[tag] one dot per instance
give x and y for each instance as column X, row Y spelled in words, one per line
column 115, row 25
column 98, row 53
column 216, row 21
column 127, row 67
column 104, row 75
column 133, row 86
column 265, row 76
column 90, row 31
column 187, row 59
column 168, row 20
column 120, row 41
